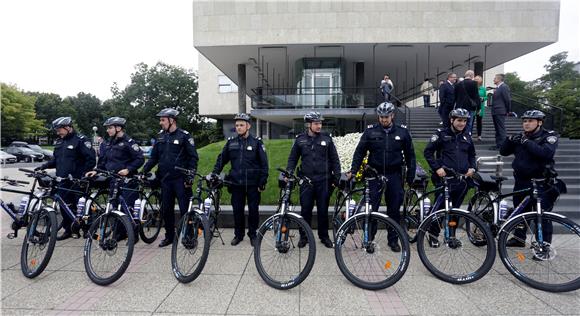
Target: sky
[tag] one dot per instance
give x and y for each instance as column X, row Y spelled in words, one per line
column 66, row 46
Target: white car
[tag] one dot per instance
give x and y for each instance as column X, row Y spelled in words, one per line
column 7, row 158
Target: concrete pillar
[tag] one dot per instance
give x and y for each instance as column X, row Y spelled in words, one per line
column 258, row 128
column 268, row 136
column 241, row 88
column 478, row 68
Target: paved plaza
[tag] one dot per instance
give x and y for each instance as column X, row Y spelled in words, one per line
column 230, row 284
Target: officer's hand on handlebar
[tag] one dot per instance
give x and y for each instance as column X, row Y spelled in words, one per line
column 39, row 168
column 90, row 174
column 262, row 188
column 441, row 172
column 470, row 172
column 123, row 172
column 348, row 175
column 516, row 138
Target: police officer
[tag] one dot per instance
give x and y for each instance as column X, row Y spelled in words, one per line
column 120, row 154
column 249, row 174
column 390, row 147
column 534, row 151
column 320, row 163
column 451, row 148
column 174, row 147
column 73, row 155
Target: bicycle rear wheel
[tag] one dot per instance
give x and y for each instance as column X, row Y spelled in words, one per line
column 363, row 253
column 279, row 260
column 38, row 243
column 190, row 247
column 108, row 248
column 446, row 251
column 410, row 219
column 151, row 224
column 552, row 265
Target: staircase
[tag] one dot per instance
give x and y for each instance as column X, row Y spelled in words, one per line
column 423, row 122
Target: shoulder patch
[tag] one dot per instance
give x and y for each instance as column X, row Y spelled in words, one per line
column 552, row 139
column 135, row 147
column 88, row 145
column 191, row 141
column 370, row 126
column 434, row 138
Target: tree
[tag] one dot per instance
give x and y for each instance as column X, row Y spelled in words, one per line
column 50, row 106
column 152, row 89
column 561, row 88
column 88, row 112
column 18, row 115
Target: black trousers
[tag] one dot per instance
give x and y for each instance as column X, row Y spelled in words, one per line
column 479, row 121
column 241, row 195
column 319, row 192
column 170, row 190
column 547, row 205
column 394, row 198
column 500, row 133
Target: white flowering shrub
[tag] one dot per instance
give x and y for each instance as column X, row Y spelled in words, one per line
column 345, row 146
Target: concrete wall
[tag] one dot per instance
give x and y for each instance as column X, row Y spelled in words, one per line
column 212, row 103
column 290, row 22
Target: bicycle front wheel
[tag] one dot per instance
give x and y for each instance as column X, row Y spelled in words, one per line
column 190, row 247
column 445, row 248
column 552, row 264
column 364, row 255
column 38, row 244
column 108, row 248
column 279, row 261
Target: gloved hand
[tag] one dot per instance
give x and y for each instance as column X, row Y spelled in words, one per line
column 516, row 138
column 39, row 168
column 262, row 187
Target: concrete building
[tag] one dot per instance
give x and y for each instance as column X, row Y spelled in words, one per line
column 280, row 59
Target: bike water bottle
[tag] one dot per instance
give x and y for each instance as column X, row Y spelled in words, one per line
column 503, row 206
column 426, row 206
column 137, row 209
column 81, row 206
column 351, row 207
column 207, row 206
column 23, row 205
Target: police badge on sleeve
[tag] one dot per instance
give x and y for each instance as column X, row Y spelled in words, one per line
column 552, row 139
column 88, row 145
column 135, row 147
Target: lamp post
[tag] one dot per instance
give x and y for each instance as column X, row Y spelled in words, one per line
column 95, row 140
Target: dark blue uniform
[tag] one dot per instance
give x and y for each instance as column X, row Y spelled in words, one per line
column 320, row 163
column 249, row 172
column 173, row 149
column 388, row 148
column 73, row 155
column 454, row 151
column 118, row 154
column 533, row 155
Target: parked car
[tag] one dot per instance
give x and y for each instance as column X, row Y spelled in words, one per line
column 7, row 158
column 24, row 154
column 47, row 153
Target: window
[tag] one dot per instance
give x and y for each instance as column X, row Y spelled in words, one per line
column 225, row 85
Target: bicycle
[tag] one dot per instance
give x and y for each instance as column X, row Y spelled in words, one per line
column 187, row 261
column 361, row 249
column 345, row 203
column 40, row 222
column 415, row 208
column 542, row 260
column 457, row 260
column 275, row 248
column 149, row 209
column 111, row 233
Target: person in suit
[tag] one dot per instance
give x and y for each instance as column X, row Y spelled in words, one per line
column 447, row 98
column 501, row 105
column 467, row 97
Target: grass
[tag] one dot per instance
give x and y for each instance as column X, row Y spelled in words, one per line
column 278, row 151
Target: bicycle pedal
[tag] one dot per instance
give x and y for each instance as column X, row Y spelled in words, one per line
column 11, row 236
